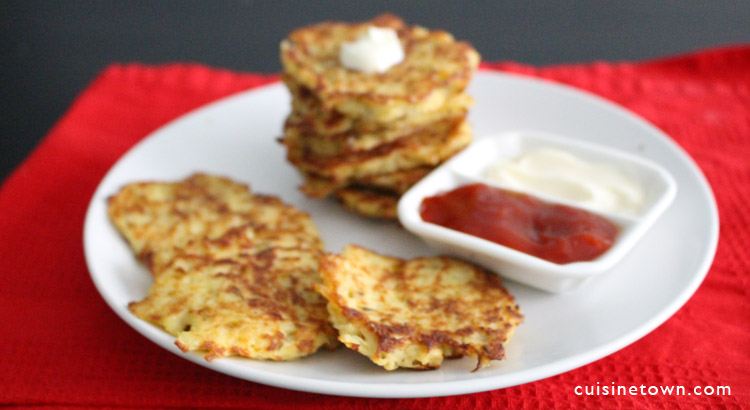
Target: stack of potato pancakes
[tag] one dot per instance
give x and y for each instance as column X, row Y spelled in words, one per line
column 365, row 138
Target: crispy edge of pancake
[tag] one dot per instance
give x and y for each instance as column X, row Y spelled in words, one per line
column 336, row 132
column 369, row 203
column 301, row 133
column 435, row 67
column 421, row 149
column 397, row 182
column 383, row 308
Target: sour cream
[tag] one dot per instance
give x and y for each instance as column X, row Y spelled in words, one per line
column 376, row 51
column 561, row 175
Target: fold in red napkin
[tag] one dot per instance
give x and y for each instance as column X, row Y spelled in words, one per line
column 63, row 347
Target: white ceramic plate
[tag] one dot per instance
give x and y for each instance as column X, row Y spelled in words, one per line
column 237, row 137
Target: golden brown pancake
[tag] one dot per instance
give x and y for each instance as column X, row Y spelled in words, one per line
column 396, row 182
column 414, row 313
column 242, row 295
column 435, row 68
column 333, row 133
column 233, row 271
column 370, row 203
column 429, row 147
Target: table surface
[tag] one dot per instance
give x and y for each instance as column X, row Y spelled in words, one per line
column 51, row 50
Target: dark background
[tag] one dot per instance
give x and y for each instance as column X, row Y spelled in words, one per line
column 50, row 50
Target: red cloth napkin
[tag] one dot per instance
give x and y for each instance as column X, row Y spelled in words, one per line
column 63, row 347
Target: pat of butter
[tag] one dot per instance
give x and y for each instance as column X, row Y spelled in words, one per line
column 376, row 51
column 559, row 174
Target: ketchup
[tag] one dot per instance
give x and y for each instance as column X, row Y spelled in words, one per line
column 554, row 232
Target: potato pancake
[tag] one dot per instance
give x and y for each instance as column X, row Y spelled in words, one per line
column 233, row 271
column 414, row 313
column 435, row 68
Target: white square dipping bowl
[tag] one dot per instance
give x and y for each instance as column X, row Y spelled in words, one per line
column 468, row 167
